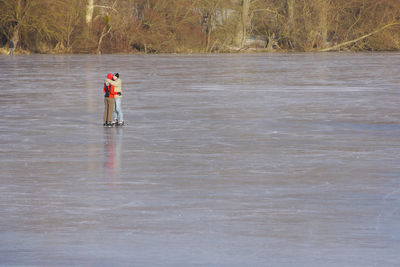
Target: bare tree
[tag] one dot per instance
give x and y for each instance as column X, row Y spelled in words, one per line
column 15, row 15
column 93, row 26
column 107, row 26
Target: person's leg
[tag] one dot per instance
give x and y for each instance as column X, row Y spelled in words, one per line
column 118, row 109
column 105, row 109
column 115, row 113
column 110, row 109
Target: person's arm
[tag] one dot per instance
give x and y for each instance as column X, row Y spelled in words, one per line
column 116, row 83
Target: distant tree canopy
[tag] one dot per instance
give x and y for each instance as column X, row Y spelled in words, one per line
column 192, row 26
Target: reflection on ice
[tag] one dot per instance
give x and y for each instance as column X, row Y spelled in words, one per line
column 226, row 160
column 113, row 143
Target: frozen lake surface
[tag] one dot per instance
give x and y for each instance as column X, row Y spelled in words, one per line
column 226, row 160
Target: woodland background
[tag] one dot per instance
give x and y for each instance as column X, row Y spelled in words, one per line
column 194, row 26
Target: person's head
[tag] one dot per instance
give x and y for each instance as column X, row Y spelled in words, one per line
column 116, row 76
column 110, row 76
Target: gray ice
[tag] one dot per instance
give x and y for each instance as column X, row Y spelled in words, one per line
column 226, row 160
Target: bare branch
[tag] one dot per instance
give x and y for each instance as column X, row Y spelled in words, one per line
column 107, row 7
column 335, row 47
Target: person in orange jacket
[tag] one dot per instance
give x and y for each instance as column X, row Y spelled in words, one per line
column 118, row 117
column 108, row 101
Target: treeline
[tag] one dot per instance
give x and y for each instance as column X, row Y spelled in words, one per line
column 193, row 26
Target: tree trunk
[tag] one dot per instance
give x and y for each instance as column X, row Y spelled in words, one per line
column 245, row 19
column 270, row 46
column 323, row 23
column 243, row 24
column 208, row 39
column 290, row 10
column 19, row 14
column 15, row 37
column 208, row 28
column 89, row 11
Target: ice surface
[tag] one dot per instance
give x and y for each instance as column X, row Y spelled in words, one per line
column 226, row 160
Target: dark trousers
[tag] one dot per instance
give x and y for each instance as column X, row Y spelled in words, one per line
column 108, row 109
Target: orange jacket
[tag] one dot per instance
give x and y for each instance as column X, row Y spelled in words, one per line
column 109, row 89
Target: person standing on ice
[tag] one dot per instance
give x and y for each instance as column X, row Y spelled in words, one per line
column 108, row 101
column 118, row 117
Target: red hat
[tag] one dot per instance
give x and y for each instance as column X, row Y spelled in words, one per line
column 110, row 76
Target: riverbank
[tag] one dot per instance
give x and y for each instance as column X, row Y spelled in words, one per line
column 248, row 50
column 6, row 51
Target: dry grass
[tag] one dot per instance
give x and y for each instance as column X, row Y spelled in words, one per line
column 4, row 51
